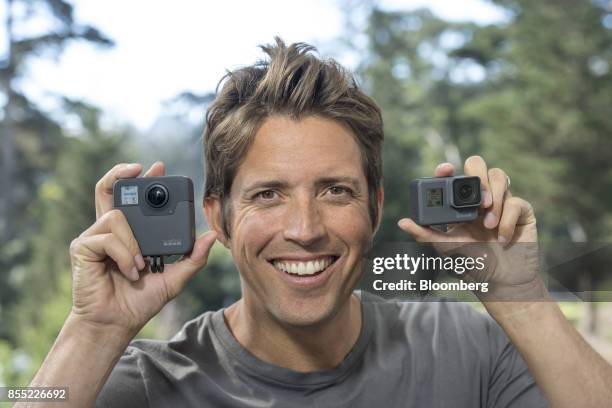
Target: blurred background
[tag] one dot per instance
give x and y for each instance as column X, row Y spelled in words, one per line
column 85, row 85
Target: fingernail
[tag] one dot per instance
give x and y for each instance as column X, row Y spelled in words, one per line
column 140, row 263
column 134, row 274
column 501, row 239
column 490, row 220
column 131, row 166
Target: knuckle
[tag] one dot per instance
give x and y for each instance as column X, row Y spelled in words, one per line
column 99, row 185
column 75, row 244
column 115, row 216
column 515, row 201
column 527, row 205
column 116, row 167
column 109, row 175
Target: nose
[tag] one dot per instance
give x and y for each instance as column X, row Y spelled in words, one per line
column 304, row 224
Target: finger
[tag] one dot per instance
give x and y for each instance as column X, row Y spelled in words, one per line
column 157, row 169
column 516, row 212
column 184, row 269
column 97, row 248
column 451, row 227
column 476, row 166
column 498, row 182
column 114, row 222
column 104, row 187
column 444, row 170
column 420, row 233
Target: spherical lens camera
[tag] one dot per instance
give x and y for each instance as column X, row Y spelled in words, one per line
column 157, row 195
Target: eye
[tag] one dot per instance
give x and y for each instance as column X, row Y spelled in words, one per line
column 266, row 195
column 339, row 190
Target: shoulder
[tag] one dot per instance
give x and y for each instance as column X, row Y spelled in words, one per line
column 437, row 323
column 154, row 363
column 432, row 314
column 124, row 386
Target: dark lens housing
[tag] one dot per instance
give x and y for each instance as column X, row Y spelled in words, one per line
column 466, row 191
column 157, row 195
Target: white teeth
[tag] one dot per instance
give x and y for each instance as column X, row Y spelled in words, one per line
column 303, row 268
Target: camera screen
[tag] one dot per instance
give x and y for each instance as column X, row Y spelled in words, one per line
column 434, row 197
column 129, row 195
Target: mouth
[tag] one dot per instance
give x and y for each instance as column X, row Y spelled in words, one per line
column 304, row 268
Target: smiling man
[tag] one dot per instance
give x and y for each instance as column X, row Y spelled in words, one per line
column 293, row 190
column 298, row 226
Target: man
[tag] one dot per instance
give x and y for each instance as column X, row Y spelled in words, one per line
column 293, row 189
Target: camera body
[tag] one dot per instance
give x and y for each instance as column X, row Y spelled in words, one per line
column 445, row 200
column 159, row 211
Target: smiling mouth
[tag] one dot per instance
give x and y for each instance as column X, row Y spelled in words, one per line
column 304, row 268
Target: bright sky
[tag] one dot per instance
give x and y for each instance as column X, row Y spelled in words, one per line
column 166, row 47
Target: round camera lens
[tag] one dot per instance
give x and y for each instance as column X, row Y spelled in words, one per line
column 157, row 196
column 465, row 191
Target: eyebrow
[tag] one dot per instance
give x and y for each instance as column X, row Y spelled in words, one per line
column 264, row 184
column 280, row 184
column 325, row 181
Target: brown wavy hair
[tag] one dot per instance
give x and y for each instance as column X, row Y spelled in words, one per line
column 292, row 82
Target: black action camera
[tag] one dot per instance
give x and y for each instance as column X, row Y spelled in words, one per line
column 160, row 213
column 445, row 200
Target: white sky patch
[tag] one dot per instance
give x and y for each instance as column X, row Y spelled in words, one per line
column 163, row 48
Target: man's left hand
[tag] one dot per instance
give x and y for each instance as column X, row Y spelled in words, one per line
column 505, row 230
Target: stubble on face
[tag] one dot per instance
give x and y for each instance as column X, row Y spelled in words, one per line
column 300, row 195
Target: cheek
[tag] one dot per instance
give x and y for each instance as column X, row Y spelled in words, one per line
column 251, row 231
column 351, row 223
column 257, row 227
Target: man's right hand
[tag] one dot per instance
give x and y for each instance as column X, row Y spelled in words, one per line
column 112, row 285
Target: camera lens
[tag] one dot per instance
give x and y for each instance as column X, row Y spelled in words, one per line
column 466, row 192
column 157, row 195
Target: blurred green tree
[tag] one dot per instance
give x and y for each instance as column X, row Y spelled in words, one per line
column 408, row 71
column 65, row 209
column 530, row 94
column 30, row 140
column 544, row 115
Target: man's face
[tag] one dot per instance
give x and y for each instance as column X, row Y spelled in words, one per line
column 300, row 222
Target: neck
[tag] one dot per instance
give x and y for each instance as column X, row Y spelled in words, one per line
column 301, row 349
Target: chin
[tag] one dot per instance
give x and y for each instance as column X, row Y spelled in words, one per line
column 306, row 312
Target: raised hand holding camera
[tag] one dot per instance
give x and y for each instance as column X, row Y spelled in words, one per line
column 111, row 282
column 501, row 221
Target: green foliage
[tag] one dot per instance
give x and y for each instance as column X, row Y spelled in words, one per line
column 544, row 113
column 536, row 108
column 30, row 139
column 64, row 210
column 218, row 285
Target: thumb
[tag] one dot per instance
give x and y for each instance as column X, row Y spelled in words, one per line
column 419, row 233
column 180, row 272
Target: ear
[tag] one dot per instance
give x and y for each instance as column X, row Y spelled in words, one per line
column 212, row 212
column 380, row 201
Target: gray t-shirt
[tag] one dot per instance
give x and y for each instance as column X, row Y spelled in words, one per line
column 408, row 354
